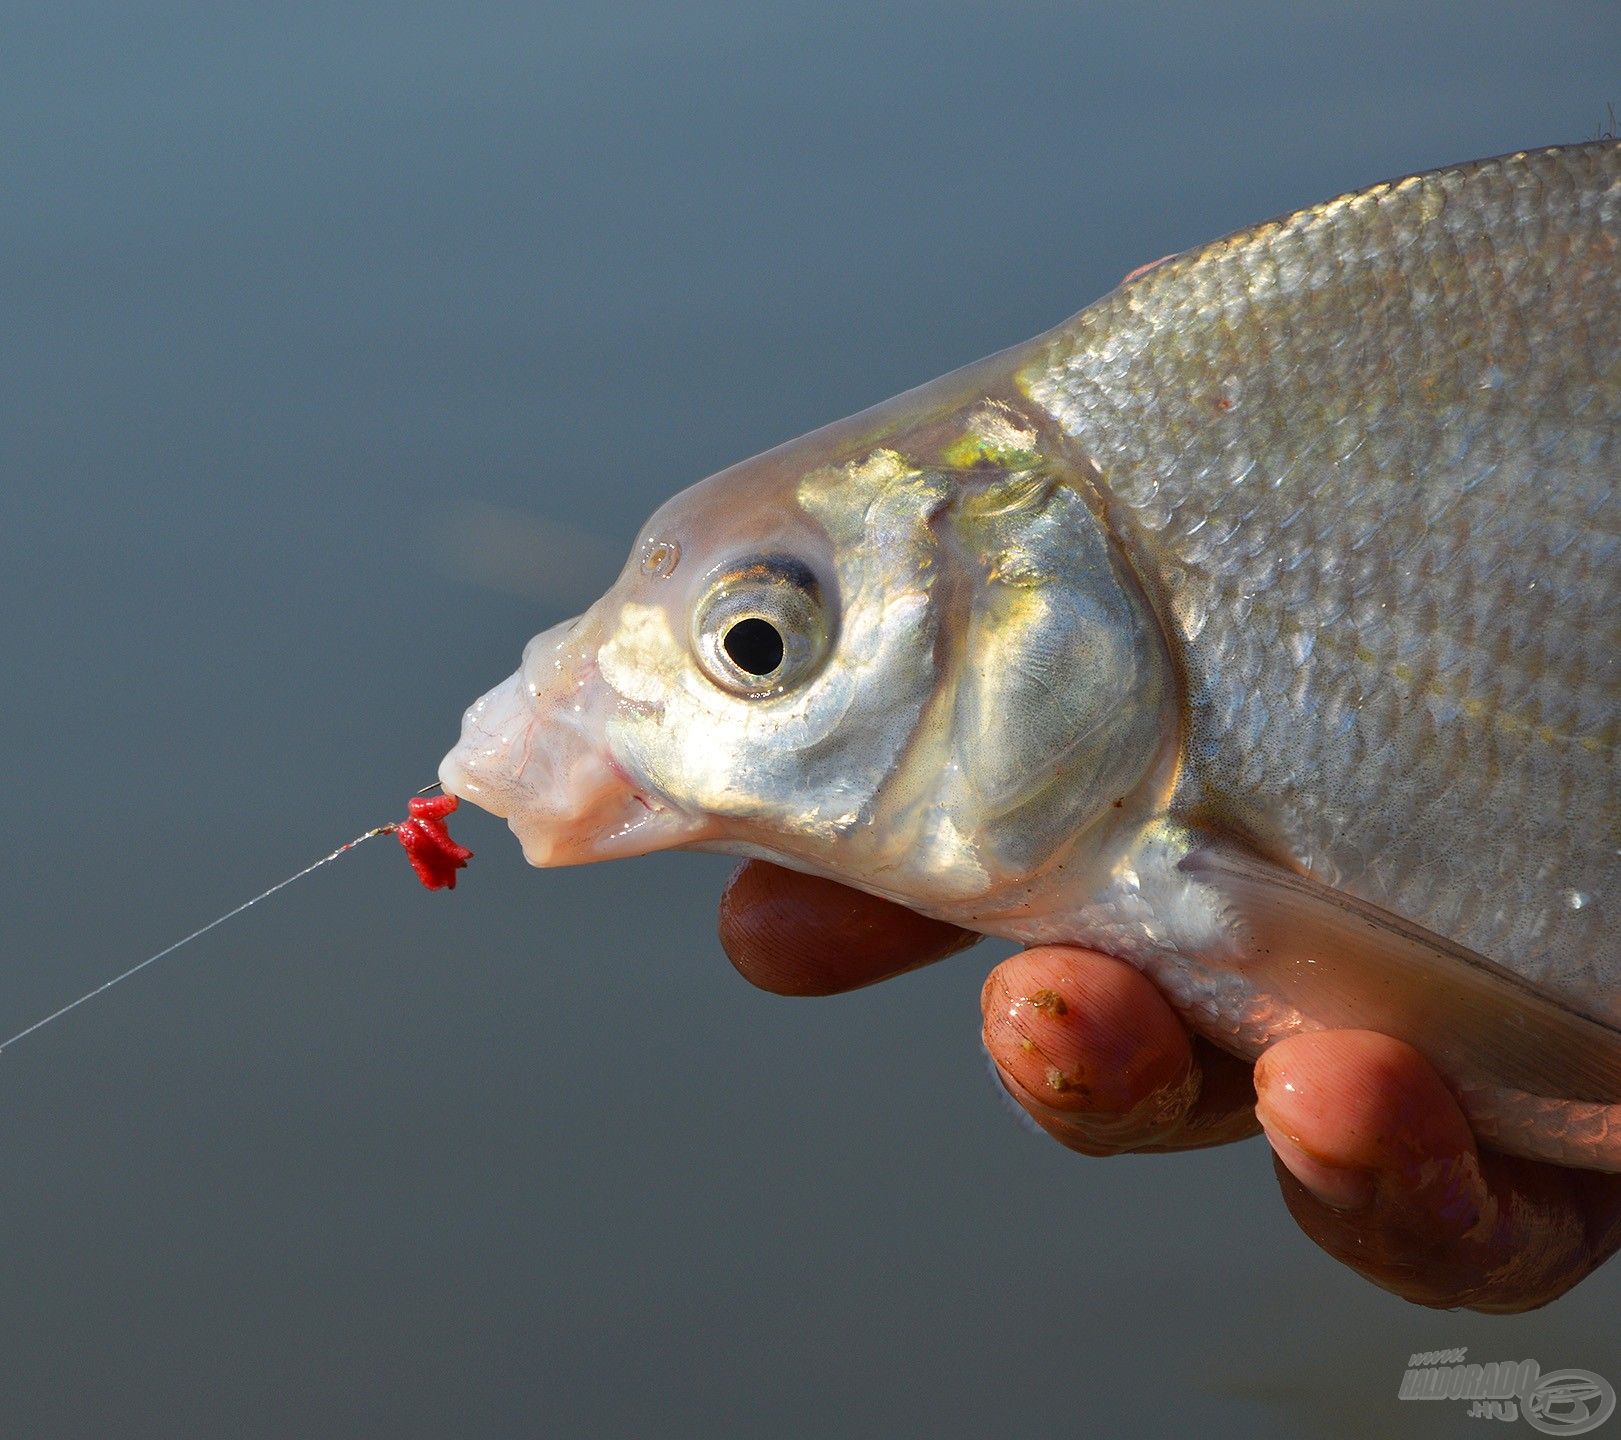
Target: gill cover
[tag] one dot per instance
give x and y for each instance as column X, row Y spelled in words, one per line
column 1065, row 706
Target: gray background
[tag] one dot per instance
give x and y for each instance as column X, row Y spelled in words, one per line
column 342, row 348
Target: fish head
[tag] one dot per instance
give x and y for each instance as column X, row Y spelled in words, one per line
column 902, row 652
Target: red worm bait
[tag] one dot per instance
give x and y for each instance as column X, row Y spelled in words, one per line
column 434, row 855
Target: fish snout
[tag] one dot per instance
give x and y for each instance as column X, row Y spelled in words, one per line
column 488, row 764
column 534, row 751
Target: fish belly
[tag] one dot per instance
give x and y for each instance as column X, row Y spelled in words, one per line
column 1365, row 457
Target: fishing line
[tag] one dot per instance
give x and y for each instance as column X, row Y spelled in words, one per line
column 416, row 825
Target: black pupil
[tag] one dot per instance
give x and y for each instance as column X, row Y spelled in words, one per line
column 755, row 646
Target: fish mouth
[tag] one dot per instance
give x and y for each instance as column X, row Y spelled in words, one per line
column 534, row 752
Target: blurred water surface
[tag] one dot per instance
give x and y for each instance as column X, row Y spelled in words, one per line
column 320, row 324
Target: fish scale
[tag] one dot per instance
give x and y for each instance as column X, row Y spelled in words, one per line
column 1400, row 674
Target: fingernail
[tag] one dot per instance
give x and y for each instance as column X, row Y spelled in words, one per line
column 1335, row 1185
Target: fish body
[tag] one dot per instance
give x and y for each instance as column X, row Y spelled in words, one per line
column 1369, row 454
column 1258, row 624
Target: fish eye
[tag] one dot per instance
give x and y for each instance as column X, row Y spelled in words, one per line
column 755, row 645
column 761, row 628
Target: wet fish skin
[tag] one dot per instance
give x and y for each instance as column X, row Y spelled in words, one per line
column 1369, row 453
column 1257, row 624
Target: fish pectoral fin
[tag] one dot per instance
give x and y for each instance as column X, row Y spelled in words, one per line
column 1344, row 963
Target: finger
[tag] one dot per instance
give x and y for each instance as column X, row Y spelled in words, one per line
column 1102, row 1062
column 797, row 934
column 1379, row 1167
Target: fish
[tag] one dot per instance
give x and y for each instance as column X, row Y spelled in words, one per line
column 1257, row 625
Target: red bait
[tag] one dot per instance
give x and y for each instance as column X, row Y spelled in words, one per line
column 434, row 855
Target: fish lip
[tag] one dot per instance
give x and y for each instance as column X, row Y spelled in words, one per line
column 455, row 779
column 622, row 823
column 534, row 751
column 481, row 767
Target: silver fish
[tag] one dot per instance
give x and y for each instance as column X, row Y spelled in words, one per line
column 1258, row 625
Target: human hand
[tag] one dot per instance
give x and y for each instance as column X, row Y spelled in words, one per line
column 1376, row 1161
